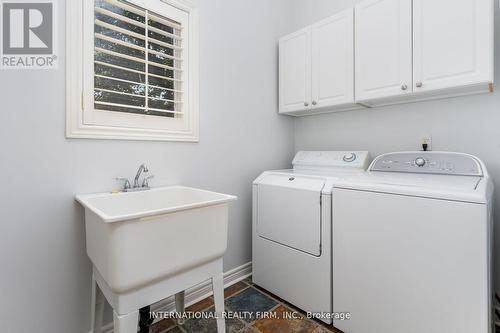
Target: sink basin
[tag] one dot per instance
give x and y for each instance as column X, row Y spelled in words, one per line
column 138, row 238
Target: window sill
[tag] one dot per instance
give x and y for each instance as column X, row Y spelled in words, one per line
column 110, row 133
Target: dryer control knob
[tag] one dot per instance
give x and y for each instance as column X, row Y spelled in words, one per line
column 349, row 157
column 420, row 161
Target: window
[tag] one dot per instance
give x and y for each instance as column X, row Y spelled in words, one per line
column 133, row 72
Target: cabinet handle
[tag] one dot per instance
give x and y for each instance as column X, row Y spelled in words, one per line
column 314, row 103
column 404, row 87
column 419, row 84
column 306, row 104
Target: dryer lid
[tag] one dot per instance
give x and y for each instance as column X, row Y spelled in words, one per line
column 292, row 181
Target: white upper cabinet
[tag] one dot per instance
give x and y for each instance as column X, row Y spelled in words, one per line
column 386, row 52
column 295, row 71
column 333, row 61
column 383, row 49
column 453, row 43
column 317, row 67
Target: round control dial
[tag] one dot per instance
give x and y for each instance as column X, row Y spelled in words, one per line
column 351, row 157
column 420, row 161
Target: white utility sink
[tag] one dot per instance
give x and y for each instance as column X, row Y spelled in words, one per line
column 139, row 238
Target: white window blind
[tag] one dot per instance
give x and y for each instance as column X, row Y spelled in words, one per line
column 138, row 61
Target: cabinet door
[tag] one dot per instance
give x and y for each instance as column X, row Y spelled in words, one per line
column 383, row 48
column 453, row 43
column 295, row 71
column 333, row 60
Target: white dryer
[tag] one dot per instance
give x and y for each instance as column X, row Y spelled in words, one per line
column 292, row 227
column 412, row 245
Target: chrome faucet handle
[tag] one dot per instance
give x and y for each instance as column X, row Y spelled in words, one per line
column 142, row 168
column 126, row 182
column 145, row 182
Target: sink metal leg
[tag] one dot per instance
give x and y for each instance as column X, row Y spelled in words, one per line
column 145, row 319
column 125, row 323
column 96, row 308
column 179, row 306
column 218, row 288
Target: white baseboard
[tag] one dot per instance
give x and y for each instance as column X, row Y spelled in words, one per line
column 197, row 293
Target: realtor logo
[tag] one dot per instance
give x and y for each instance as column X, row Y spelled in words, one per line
column 28, row 35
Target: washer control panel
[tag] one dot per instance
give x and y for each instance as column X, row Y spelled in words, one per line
column 428, row 162
column 331, row 159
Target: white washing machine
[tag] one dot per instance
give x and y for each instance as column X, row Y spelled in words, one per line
column 292, row 227
column 412, row 245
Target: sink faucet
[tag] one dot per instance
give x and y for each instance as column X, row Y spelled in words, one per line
column 137, row 187
column 142, row 168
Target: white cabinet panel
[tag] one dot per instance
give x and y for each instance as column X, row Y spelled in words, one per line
column 388, row 52
column 383, row 49
column 317, row 67
column 453, row 43
column 333, row 61
column 295, row 71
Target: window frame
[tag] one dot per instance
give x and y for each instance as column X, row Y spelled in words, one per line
column 117, row 125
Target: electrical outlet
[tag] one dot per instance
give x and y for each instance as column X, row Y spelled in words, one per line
column 426, row 139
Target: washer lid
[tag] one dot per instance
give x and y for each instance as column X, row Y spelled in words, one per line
column 449, row 187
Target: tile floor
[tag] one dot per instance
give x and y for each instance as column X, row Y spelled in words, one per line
column 241, row 297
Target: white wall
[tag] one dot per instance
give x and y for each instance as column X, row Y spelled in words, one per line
column 44, row 271
column 465, row 124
